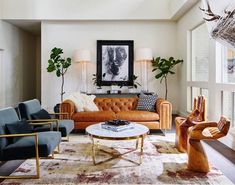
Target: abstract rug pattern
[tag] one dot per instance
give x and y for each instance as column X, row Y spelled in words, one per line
column 162, row 164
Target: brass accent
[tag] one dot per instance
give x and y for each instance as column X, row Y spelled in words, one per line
column 66, row 139
column 94, row 146
column 36, row 157
column 46, row 120
column 43, row 123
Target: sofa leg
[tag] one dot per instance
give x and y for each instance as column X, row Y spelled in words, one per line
column 197, row 159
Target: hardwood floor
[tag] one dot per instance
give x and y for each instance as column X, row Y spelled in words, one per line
column 221, row 156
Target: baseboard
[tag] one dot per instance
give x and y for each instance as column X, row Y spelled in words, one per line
column 229, row 140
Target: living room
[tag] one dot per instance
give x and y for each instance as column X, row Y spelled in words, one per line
column 88, row 33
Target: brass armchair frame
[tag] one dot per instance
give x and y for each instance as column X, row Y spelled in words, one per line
column 35, row 121
column 46, row 122
column 37, row 157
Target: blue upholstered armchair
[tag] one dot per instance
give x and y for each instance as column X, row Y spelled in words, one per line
column 18, row 141
column 32, row 111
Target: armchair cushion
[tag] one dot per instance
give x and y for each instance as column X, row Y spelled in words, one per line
column 19, row 127
column 147, row 102
column 25, row 147
column 66, row 126
column 42, row 114
column 7, row 115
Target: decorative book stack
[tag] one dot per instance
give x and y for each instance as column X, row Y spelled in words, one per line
column 117, row 125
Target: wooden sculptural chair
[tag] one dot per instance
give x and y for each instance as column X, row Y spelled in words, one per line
column 182, row 124
column 197, row 159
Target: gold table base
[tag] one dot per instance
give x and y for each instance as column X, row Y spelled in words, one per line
column 120, row 156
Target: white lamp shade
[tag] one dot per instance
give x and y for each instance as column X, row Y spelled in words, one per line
column 82, row 55
column 144, row 54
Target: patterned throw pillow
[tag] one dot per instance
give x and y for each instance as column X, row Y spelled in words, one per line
column 147, row 102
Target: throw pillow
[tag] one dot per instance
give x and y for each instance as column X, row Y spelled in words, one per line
column 42, row 114
column 18, row 127
column 89, row 104
column 78, row 101
column 147, row 102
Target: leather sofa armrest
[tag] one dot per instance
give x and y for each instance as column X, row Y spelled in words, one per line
column 164, row 109
column 68, row 107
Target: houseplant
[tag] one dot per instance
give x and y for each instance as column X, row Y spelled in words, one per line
column 164, row 67
column 60, row 65
column 94, row 79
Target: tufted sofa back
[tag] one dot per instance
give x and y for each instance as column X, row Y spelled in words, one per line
column 116, row 104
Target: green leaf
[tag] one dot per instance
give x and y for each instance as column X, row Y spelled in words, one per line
column 50, row 68
column 58, row 73
column 159, row 75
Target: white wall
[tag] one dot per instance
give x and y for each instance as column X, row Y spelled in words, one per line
column 160, row 36
column 184, row 25
column 18, row 65
column 85, row 9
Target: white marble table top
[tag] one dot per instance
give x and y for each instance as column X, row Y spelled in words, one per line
column 97, row 131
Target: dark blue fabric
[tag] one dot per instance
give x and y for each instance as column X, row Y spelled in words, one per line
column 42, row 114
column 19, row 127
column 7, row 115
column 24, row 148
column 29, row 107
column 65, row 127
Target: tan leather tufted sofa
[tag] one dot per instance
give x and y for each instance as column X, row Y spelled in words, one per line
column 121, row 108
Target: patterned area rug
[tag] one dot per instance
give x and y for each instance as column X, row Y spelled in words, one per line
column 162, row 164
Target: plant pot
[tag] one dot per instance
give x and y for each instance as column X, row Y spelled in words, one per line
column 57, row 108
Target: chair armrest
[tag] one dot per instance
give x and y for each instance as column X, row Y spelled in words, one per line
column 203, row 125
column 19, row 135
column 42, row 120
column 43, row 123
column 69, row 107
column 164, row 109
column 46, row 121
column 27, row 135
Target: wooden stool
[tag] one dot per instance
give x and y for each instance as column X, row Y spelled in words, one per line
column 197, row 159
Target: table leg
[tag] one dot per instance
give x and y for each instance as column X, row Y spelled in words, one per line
column 137, row 143
column 93, row 150
column 141, row 148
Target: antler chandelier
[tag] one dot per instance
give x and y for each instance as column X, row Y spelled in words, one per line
column 219, row 15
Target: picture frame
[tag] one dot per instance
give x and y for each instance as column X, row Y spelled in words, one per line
column 115, row 62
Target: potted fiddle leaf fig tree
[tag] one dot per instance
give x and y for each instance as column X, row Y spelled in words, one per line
column 164, row 67
column 59, row 65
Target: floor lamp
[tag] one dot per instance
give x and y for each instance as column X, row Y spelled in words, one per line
column 144, row 55
column 83, row 56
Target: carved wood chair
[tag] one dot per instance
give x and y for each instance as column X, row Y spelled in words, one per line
column 182, row 124
column 197, row 159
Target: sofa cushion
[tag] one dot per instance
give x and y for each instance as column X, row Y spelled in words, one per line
column 65, row 127
column 42, row 114
column 147, row 102
column 97, row 116
column 25, row 148
column 137, row 115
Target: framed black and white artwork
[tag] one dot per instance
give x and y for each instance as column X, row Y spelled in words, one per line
column 115, row 62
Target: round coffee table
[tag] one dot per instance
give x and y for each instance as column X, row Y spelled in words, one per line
column 137, row 132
